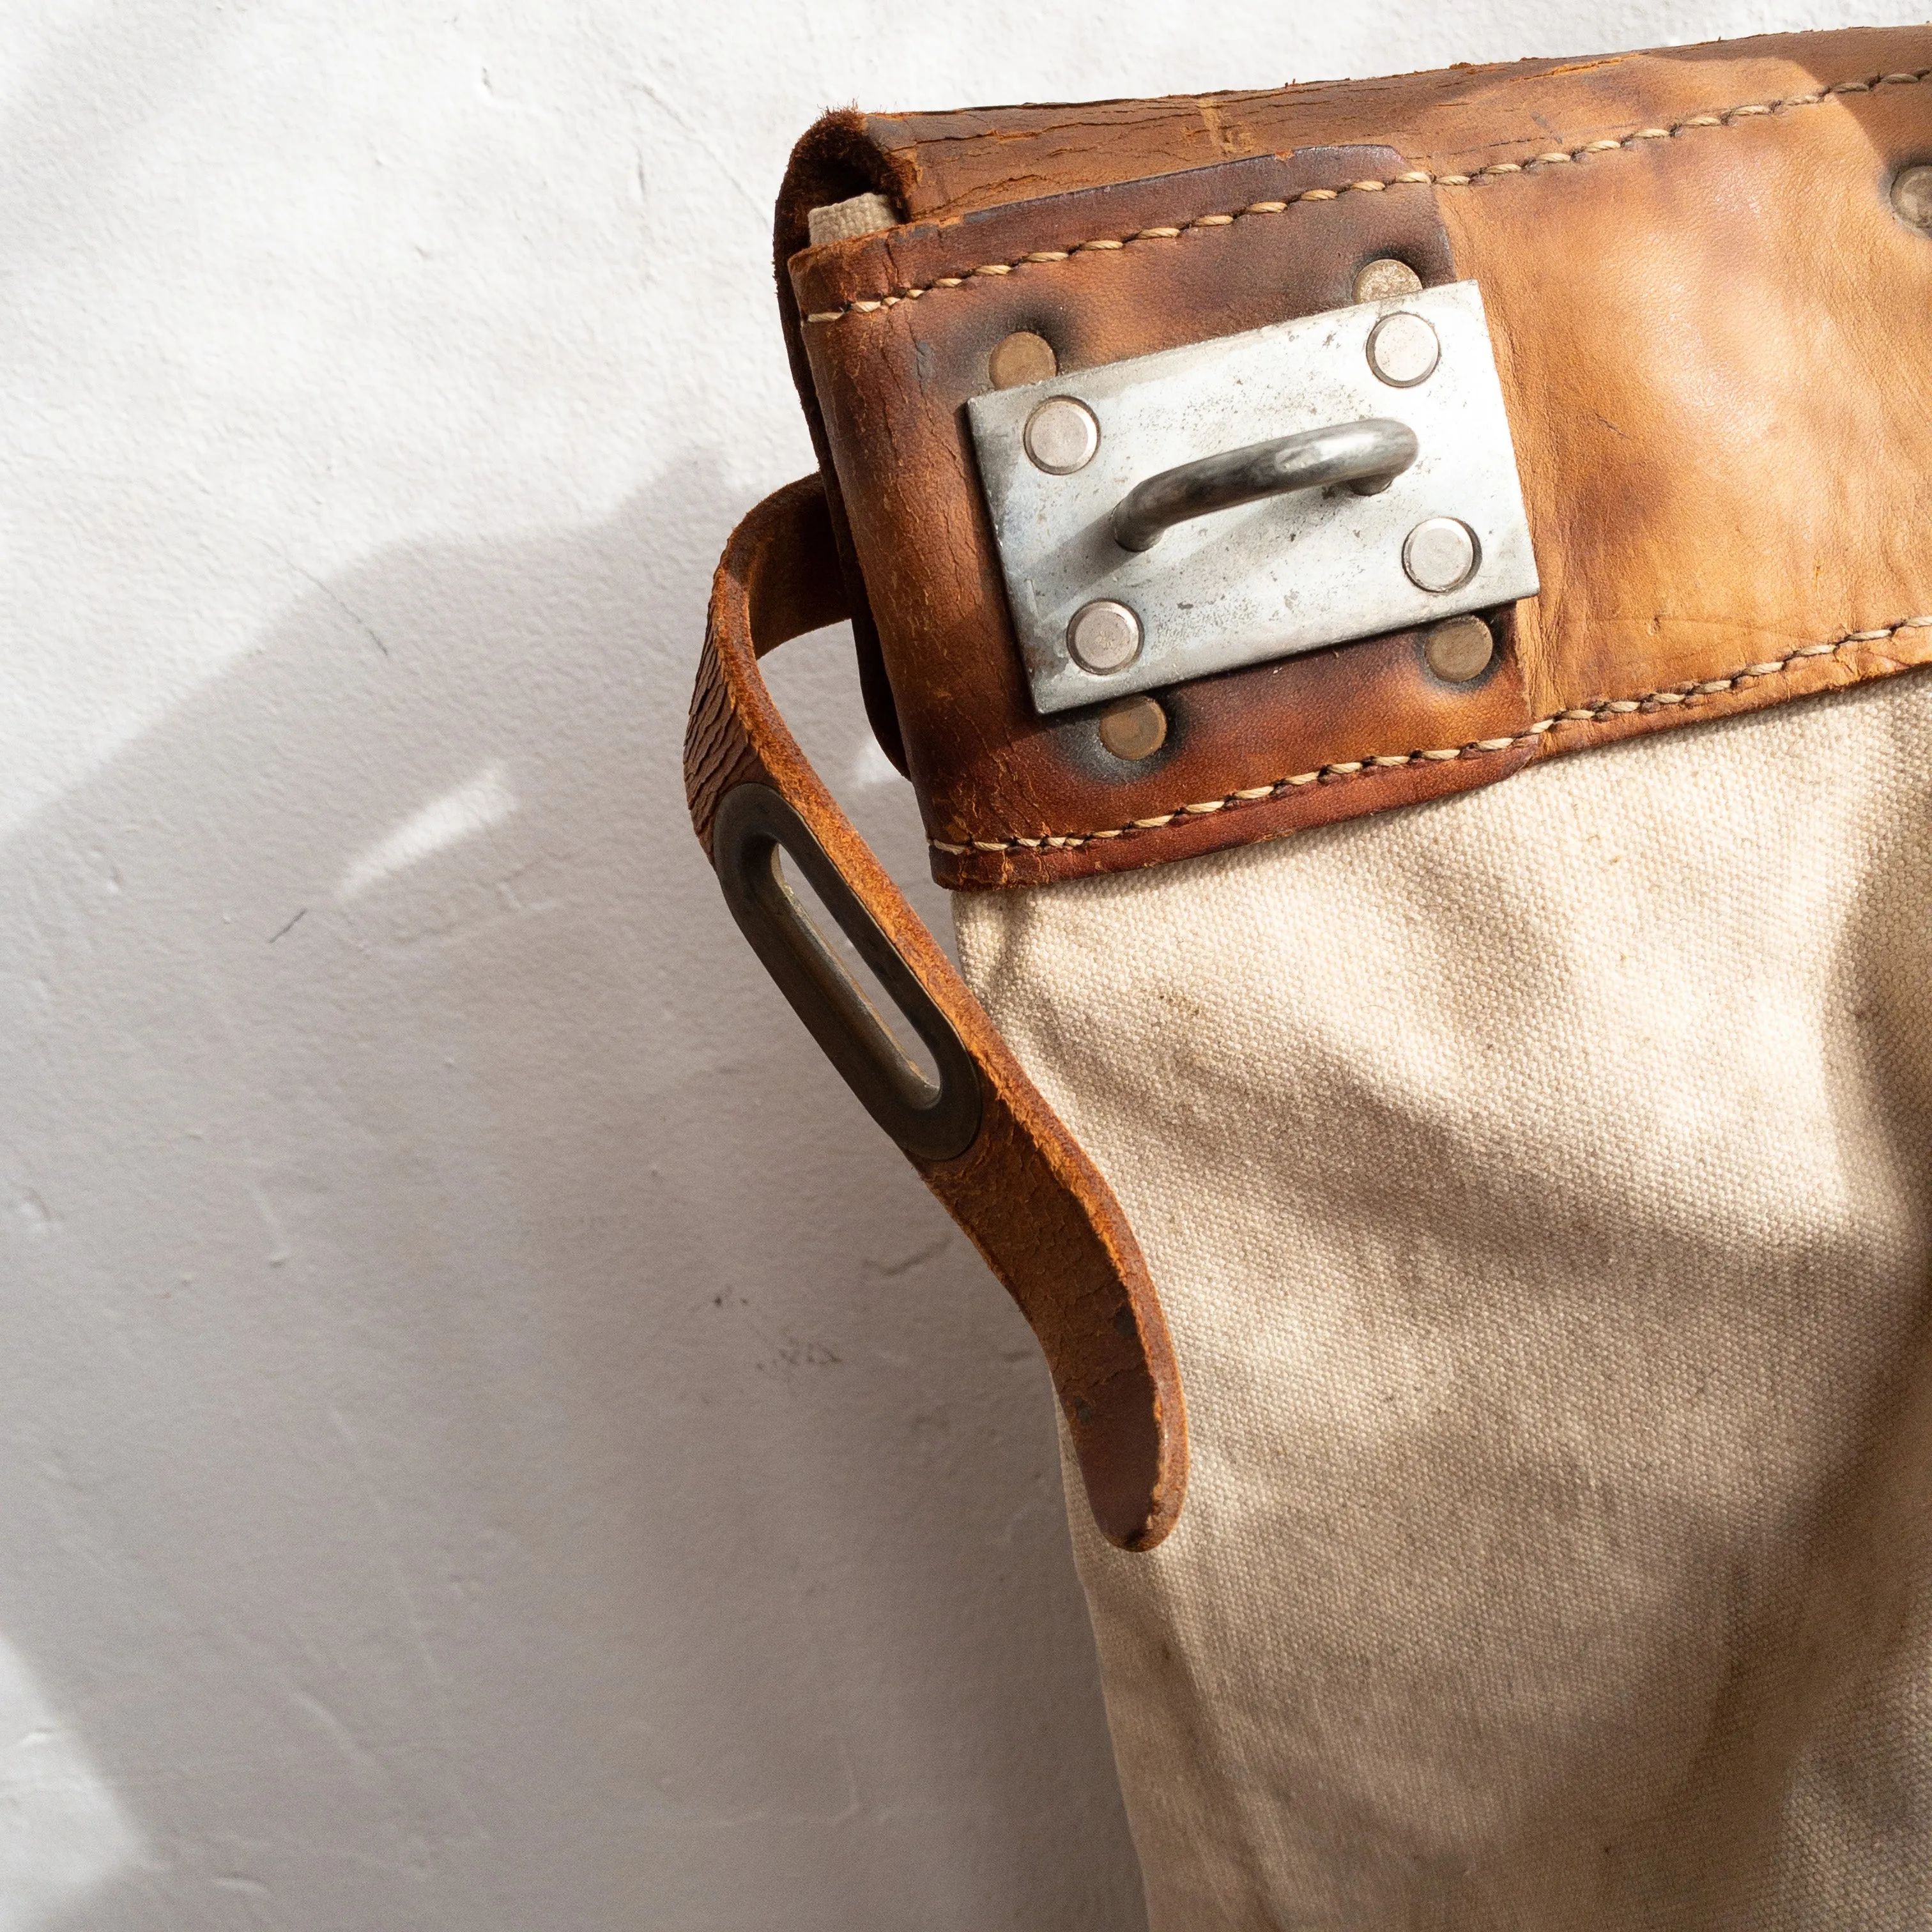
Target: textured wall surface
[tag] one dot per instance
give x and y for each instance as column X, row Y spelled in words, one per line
column 490, row 1435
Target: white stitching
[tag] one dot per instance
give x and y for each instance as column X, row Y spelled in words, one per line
column 1588, row 714
column 1417, row 177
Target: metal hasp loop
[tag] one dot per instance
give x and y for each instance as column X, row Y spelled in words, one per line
column 933, row 1124
column 1368, row 456
column 1256, row 580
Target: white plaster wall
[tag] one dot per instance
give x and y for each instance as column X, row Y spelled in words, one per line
column 490, row 1435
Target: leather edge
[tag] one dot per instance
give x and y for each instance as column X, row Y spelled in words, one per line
column 835, row 158
column 1025, row 1192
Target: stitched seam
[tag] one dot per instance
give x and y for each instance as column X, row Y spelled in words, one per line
column 1598, row 713
column 1730, row 117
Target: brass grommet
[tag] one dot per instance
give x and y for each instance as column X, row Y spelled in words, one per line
column 1021, row 358
column 1912, row 196
column 1459, row 650
column 1383, row 279
column 1134, row 728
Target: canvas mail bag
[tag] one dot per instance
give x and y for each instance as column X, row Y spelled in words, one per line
column 1402, row 603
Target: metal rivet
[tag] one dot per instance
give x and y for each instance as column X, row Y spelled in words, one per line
column 1912, row 196
column 1104, row 637
column 1061, row 436
column 1403, row 350
column 1459, row 650
column 1136, row 727
column 1439, row 554
column 1021, row 358
column 1384, row 279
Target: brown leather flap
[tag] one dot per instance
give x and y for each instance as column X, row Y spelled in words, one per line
column 1712, row 329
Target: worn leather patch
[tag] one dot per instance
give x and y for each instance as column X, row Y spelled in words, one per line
column 1010, row 797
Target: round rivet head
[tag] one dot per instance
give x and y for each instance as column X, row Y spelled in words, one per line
column 1440, row 554
column 1385, row 278
column 1134, row 727
column 1912, row 196
column 1403, row 350
column 1021, row 358
column 1104, row 637
column 1061, row 436
column 1459, row 650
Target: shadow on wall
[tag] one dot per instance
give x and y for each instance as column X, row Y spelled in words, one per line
column 495, row 1437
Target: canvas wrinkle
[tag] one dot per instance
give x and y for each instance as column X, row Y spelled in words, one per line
column 1536, row 1183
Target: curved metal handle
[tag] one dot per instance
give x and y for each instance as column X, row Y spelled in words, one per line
column 1369, row 456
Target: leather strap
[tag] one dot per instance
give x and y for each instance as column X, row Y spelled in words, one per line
column 1034, row 1204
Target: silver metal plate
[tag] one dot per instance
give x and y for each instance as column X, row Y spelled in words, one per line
column 1269, row 579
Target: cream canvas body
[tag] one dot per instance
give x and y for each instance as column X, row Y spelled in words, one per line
column 1537, row 1185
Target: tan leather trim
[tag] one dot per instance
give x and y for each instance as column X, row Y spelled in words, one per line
column 951, row 166
column 889, row 297
column 1711, row 330
column 1032, row 1203
column 1853, row 658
